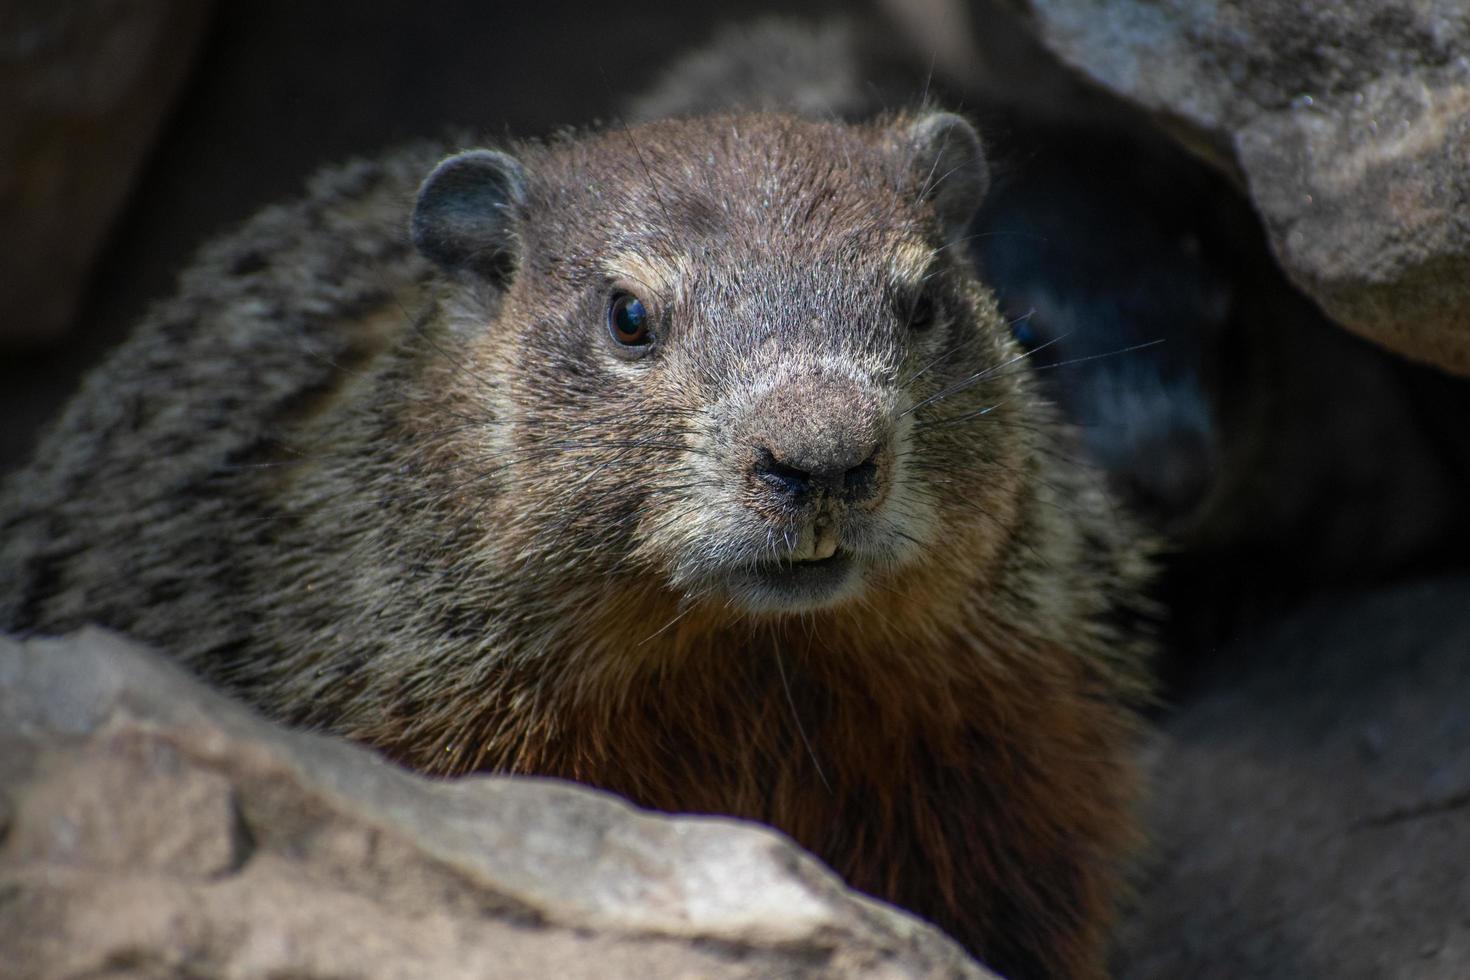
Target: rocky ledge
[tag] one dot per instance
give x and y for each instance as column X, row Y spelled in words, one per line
column 153, row 828
column 1348, row 123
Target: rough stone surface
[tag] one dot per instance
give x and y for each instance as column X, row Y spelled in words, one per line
column 1312, row 813
column 1349, row 123
column 84, row 88
column 151, row 828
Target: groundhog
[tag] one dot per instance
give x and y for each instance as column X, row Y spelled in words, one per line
column 688, row 460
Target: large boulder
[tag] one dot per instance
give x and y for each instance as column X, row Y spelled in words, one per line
column 1311, row 812
column 152, row 828
column 84, row 90
column 1347, row 123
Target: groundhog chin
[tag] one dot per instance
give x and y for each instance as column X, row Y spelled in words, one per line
column 784, row 586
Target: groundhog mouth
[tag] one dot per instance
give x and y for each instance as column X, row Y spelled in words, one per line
column 794, row 585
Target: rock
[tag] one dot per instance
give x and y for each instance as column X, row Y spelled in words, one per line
column 84, row 88
column 835, row 68
column 1311, row 812
column 153, row 828
column 1349, row 124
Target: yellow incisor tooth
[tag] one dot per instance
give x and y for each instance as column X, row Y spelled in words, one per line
column 805, row 542
column 824, row 543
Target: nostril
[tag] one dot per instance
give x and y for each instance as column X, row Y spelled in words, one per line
column 787, row 480
column 854, row 484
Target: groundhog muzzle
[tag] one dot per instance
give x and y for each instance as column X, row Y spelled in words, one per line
column 688, row 460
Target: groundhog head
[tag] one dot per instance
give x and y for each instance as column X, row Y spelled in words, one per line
column 740, row 359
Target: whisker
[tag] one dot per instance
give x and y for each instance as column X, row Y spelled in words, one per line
column 977, row 377
column 795, row 717
column 690, row 603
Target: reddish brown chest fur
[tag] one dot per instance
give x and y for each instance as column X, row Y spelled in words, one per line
column 992, row 800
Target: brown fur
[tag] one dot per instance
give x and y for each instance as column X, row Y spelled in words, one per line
column 468, row 534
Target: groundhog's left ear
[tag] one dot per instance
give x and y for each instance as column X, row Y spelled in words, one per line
column 466, row 215
column 948, row 166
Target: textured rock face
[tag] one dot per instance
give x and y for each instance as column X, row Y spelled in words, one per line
column 152, row 828
column 1349, row 123
column 83, row 89
column 1311, row 814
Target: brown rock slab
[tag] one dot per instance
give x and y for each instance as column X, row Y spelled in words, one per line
column 1348, row 123
column 1311, row 815
column 152, row 828
column 84, row 88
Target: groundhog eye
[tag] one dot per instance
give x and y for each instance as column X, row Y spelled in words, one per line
column 627, row 320
column 1027, row 333
column 920, row 313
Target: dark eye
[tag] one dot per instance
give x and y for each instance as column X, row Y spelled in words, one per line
column 919, row 314
column 627, row 320
column 1030, row 331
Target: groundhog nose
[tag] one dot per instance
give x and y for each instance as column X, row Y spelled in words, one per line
column 797, row 481
column 817, row 438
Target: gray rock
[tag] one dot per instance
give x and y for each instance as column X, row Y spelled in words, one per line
column 1349, row 124
column 1311, row 814
column 152, row 828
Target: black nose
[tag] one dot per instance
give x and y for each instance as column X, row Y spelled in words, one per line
column 798, row 481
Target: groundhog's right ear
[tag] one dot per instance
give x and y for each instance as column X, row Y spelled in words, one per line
column 465, row 217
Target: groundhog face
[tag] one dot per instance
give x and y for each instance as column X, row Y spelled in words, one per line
column 742, row 357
